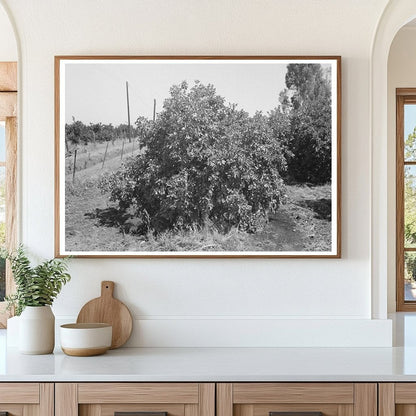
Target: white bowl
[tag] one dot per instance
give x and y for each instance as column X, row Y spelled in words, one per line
column 83, row 340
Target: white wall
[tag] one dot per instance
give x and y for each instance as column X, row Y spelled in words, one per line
column 401, row 74
column 202, row 299
column 8, row 47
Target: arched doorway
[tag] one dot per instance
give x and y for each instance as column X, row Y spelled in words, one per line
column 395, row 16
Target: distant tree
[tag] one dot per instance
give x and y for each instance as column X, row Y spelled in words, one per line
column 410, row 146
column 410, row 207
column 307, row 102
column 75, row 132
column 203, row 162
column 101, row 132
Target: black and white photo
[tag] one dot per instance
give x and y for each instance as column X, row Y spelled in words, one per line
column 198, row 156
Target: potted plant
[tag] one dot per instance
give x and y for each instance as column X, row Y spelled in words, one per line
column 36, row 289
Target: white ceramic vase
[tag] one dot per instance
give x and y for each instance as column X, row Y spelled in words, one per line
column 37, row 330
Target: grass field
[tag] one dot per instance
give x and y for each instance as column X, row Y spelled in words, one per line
column 303, row 223
column 95, row 158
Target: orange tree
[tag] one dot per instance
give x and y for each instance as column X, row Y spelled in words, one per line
column 203, row 162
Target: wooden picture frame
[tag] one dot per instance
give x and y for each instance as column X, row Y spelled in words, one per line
column 198, row 156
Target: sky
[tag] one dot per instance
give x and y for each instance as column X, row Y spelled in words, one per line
column 96, row 92
column 409, row 119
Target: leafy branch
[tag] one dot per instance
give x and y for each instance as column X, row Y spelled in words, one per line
column 35, row 286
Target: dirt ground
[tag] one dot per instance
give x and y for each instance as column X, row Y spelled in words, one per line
column 303, row 223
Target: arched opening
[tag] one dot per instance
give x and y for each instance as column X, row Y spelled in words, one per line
column 401, row 96
column 396, row 15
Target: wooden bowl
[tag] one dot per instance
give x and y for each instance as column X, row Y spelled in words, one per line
column 84, row 340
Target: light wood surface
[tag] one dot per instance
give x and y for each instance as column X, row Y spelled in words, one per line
column 224, row 399
column 110, row 409
column 57, row 160
column 262, row 410
column 8, row 76
column 8, row 109
column 191, row 410
column 346, row 410
column 11, row 196
column 16, row 409
column 400, row 304
column 11, row 208
column 386, row 399
column 403, row 96
column 339, row 158
column 405, row 393
column 207, row 399
column 66, row 399
column 138, row 393
column 244, row 410
column 365, row 399
column 405, row 91
column 84, row 352
column 90, row 410
column 252, row 393
column 8, row 105
column 19, row 393
column 47, row 399
column 405, row 410
column 111, row 311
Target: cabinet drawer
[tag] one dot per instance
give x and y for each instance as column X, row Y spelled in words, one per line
column 147, row 399
column 397, row 399
column 21, row 399
column 297, row 399
column 138, row 393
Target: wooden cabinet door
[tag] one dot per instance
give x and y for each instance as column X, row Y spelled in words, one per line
column 143, row 399
column 397, row 399
column 26, row 399
column 297, row 399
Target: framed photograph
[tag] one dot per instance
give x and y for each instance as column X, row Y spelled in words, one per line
column 196, row 156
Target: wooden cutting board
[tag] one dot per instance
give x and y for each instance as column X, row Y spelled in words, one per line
column 108, row 310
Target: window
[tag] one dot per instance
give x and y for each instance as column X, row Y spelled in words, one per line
column 8, row 167
column 406, row 199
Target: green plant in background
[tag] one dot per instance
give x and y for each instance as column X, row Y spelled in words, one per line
column 38, row 285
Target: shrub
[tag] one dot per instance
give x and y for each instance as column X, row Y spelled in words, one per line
column 203, row 161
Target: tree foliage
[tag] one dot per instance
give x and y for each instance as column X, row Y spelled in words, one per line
column 410, row 208
column 307, row 103
column 79, row 133
column 410, row 191
column 410, row 205
column 202, row 162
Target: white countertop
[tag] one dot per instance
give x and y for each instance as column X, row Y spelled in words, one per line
column 215, row 364
column 221, row 364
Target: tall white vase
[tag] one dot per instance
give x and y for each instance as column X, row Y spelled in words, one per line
column 37, row 330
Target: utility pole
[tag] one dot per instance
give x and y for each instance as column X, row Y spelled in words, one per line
column 75, row 165
column 128, row 111
column 154, row 109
